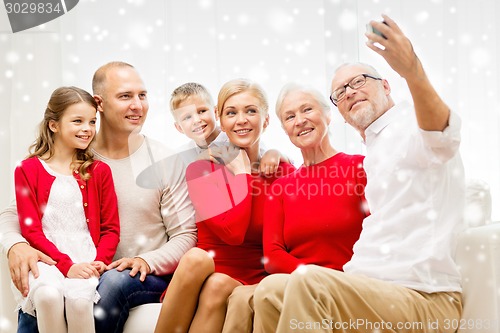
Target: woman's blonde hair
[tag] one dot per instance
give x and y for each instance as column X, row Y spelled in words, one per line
column 59, row 101
column 237, row 86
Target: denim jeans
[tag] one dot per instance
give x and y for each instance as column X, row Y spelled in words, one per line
column 26, row 323
column 119, row 293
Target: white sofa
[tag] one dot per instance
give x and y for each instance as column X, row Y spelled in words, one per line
column 478, row 255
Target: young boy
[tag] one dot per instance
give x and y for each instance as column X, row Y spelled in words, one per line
column 194, row 113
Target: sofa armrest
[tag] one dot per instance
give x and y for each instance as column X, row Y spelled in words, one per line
column 478, row 258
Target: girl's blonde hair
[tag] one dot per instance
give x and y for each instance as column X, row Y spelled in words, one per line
column 59, row 101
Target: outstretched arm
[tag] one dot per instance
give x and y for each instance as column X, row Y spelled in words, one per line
column 432, row 113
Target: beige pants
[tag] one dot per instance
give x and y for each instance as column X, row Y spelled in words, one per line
column 239, row 313
column 318, row 299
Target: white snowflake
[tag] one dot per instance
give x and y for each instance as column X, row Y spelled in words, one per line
column 385, row 248
column 99, row 313
column 258, row 74
column 141, row 240
column 480, row 57
column 205, row 4
column 474, row 214
column 431, row 214
column 279, row 20
column 69, row 76
column 422, row 17
column 402, row 176
column 136, row 2
column 5, row 324
column 243, row 19
column 481, row 257
column 138, row 33
column 348, row 20
column 302, row 269
column 12, row 57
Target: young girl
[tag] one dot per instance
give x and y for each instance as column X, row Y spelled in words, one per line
column 229, row 201
column 68, row 210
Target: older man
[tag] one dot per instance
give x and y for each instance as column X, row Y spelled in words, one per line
column 402, row 277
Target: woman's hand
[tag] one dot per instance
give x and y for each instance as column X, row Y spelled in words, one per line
column 233, row 157
column 236, row 160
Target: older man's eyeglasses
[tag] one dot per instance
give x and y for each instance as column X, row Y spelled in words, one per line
column 356, row 83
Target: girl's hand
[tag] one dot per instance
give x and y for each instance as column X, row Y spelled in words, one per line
column 83, row 271
column 100, row 266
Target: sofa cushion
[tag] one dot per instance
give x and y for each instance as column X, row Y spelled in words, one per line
column 142, row 318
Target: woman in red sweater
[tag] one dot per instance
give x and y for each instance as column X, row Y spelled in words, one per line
column 67, row 209
column 314, row 214
column 229, row 198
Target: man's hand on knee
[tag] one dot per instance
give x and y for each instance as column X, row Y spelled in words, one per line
column 135, row 264
column 23, row 259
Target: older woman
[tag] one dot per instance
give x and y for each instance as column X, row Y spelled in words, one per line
column 314, row 215
column 229, row 200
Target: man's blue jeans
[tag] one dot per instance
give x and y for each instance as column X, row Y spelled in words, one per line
column 119, row 293
column 26, row 323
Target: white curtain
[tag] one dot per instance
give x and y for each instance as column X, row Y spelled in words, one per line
column 272, row 42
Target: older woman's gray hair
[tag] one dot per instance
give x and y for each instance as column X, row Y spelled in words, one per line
column 294, row 87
